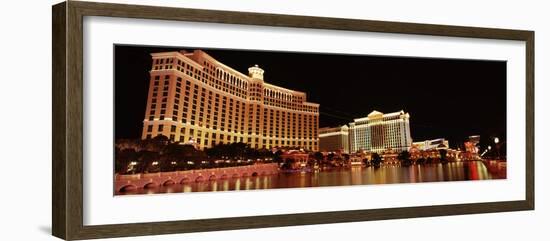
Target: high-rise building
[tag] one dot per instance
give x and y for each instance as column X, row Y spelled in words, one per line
column 379, row 132
column 193, row 97
column 334, row 139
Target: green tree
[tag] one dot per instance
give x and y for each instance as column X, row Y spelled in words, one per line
column 213, row 152
column 277, row 156
column 287, row 164
column 346, row 157
column 429, row 160
column 376, row 159
column 123, row 158
column 443, row 155
column 405, row 158
column 155, row 144
column 167, row 165
column 147, row 160
column 318, row 156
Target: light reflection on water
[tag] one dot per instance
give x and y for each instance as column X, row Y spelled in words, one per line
column 456, row 171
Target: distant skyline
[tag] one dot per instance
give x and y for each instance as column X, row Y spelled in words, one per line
column 446, row 98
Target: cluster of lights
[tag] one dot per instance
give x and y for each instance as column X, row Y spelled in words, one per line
column 496, row 140
column 131, row 166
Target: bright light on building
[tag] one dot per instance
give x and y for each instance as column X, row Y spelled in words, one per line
column 334, row 139
column 246, row 94
column 439, row 143
column 379, row 132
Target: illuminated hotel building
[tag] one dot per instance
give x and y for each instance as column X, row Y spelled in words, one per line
column 471, row 145
column 379, row 132
column 434, row 144
column 334, row 139
column 193, row 97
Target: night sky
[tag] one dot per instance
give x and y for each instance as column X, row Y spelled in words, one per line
column 446, row 98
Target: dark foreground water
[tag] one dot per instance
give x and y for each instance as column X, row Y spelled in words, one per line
column 456, row 171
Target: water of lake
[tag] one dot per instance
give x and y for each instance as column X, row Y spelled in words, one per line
column 455, row 171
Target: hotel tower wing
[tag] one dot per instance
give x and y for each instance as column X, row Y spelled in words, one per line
column 193, row 97
column 379, row 132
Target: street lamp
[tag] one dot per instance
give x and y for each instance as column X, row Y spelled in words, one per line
column 497, row 146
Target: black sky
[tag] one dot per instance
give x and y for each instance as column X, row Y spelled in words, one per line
column 446, row 98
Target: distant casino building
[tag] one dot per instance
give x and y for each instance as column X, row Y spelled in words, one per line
column 471, row 145
column 334, row 139
column 379, row 132
column 193, row 97
column 434, row 144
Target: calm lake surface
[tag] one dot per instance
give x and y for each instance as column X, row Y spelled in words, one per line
column 456, row 171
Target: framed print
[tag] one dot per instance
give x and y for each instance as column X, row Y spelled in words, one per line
column 217, row 120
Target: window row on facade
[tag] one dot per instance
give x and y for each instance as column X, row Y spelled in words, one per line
column 377, row 132
column 205, row 138
column 221, row 78
column 185, row 106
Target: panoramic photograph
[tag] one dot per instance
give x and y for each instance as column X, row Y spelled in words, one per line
column 192, row 119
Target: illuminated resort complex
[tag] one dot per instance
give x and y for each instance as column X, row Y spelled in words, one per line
column 378, row 132
column 194, row 98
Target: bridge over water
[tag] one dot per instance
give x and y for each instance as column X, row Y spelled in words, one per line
column 149, row 180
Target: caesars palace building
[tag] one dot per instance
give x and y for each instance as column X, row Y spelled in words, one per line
column 194, row 98
column 377, row 132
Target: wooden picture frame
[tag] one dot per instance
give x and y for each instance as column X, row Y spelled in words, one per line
column 67, row 76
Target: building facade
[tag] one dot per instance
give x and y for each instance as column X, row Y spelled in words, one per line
column 472, row 145
column 380, row 132
column 334, row 139
column 434, row 144
column 193, row 97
